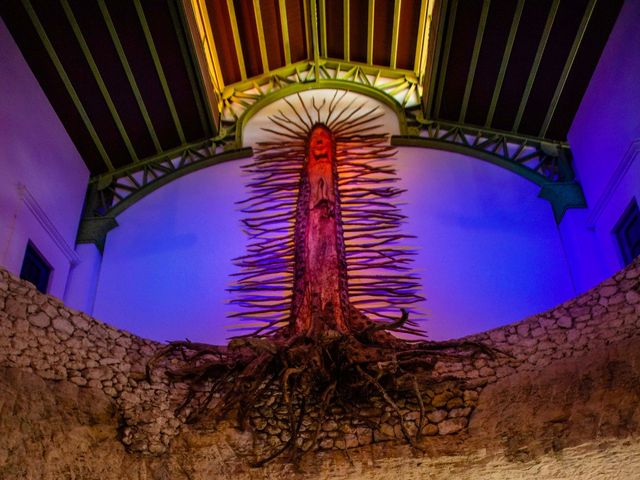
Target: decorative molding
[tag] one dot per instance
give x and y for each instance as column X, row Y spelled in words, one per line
column 614, row 182
column 48, row 226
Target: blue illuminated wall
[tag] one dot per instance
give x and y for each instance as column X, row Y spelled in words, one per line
column 490, row 252
column 605, row 140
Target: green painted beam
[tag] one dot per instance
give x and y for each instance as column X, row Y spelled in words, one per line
column 94, row 229
column 561, row 195
column 261, row 38
column 159, row 70
column 178, row 173
column 129, row 73
column 307, row 32
column 106, row 178
column 394, row 32
column 474, row 59
column 567, row 66
column 187, row 57
column 42, row 34
column 370, row 29
column 536, row 63
column 434, row 50
column 346, row 20
column 322, row 16
column 315, row 41
column 98, row 78
column 284, row 25
column 422, row 31
column 413, row 141
column 505, row 62
column 445, row 58
column 237, row 41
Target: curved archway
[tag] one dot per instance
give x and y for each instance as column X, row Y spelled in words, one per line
column 293, row 89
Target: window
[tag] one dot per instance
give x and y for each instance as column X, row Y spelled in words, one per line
column 35, row 268
column 627, row 231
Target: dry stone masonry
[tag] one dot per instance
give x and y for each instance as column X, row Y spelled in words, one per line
column 39, row 334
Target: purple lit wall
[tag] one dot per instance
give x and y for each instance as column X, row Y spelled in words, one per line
column 42, row 177
column 166, row 267
column 489, row 249
column 605, row 139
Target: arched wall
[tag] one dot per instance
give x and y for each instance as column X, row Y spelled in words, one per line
column 489, row 250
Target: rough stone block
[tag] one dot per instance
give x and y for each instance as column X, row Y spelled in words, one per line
column 452, row 425
column 40, row 320
column 63, row 325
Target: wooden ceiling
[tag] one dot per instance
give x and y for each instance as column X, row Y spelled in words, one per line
column 130, row 81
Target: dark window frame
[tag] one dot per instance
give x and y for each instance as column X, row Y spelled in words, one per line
column 630, row 215
column 34, row 259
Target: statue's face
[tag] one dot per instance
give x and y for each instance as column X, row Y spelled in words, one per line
column 320, row 146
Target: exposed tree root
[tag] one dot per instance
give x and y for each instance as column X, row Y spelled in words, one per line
column 308, row 372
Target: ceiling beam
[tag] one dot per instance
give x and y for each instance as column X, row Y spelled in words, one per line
column 284, row 25
column 189, row 61
column 42, row 34
column 261, row 40
column 433, row 55
column 445, row 59
column 423, row 35
column 98, row 78
column 474, row 59
column 202, row 34
column 536, row 64
column 394, row 32
column 314, row 41
column 307, row 31
column 515, row 23
column 322, row 17
column 370, row 28
column 156, row 61
column 209, row 78
column 346, row 20
column 128, row 72
column 237, row 41
column 567, row 66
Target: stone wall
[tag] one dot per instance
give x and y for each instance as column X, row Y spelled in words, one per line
column 39, row 334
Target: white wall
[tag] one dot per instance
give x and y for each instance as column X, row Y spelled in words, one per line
column 489, row 250
column 605, row 139
column 42, row 177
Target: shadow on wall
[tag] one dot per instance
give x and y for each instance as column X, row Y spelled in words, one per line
column 489, row 250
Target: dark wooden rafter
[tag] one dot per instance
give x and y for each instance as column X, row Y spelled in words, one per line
column 505, row 61
column 44, row 38
column 129, row 73
column 434, row 57
column 159, row 70
column 444, row 62
column 204, row 114
column 98, row 78
column 474, row 59
column 536, row 64
column 533, row 85
column 567, row 66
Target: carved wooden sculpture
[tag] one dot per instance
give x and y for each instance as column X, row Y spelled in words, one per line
column 322, row 273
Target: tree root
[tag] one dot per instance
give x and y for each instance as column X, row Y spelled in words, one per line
column 322, row 371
